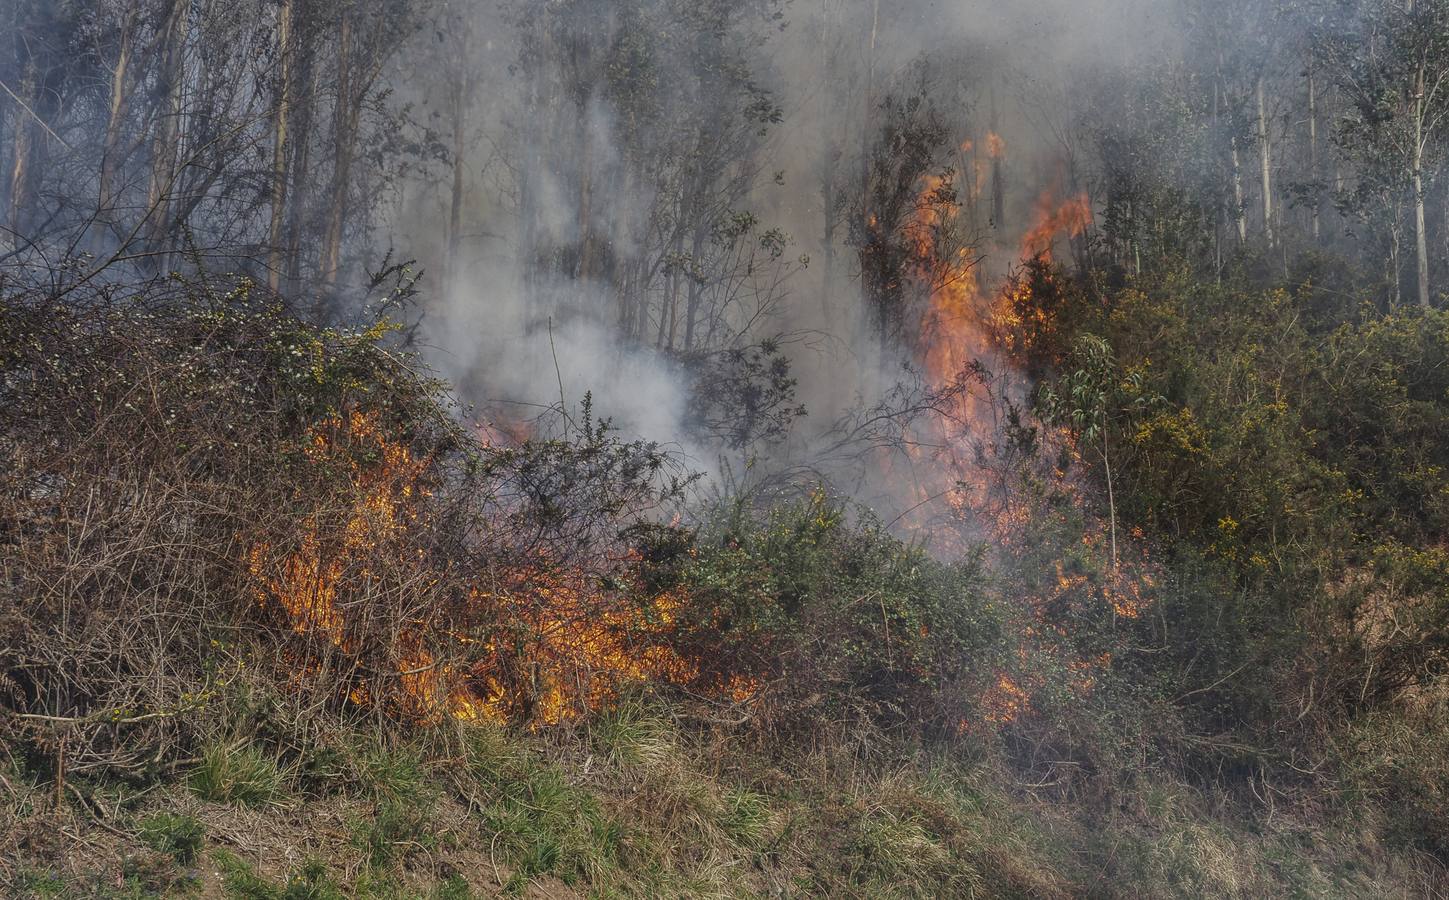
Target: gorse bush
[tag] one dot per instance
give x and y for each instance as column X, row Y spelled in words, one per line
column 205, row 499
column 835, row 617
column 1292, row 477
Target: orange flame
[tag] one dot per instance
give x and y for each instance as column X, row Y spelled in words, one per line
column 961, row 324
column 572, row 648
column 1071, row 218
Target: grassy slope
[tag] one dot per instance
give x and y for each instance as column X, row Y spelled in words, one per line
column 638, row 805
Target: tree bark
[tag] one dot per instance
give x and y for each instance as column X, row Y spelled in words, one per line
column 167, row 131
column 1421, row 237
column 27, row 141
column 1265, row 164
column 1240, row 209
column 1316, row 207
column 120, row 93
column 344, row 125
column 304, row 104
column 275, row 248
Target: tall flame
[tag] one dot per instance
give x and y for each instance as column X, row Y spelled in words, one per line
column 961, row 324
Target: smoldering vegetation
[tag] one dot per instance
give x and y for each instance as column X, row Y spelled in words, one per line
column 658, row 447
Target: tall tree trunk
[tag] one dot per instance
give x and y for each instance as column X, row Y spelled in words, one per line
column 120, row 93
column 868, row 114
column 1316, row 207
column 1240, row 207
column 167, row 131
column 696, row 287
column 455, row 205
column 1396, row 270
column 1265, row 164
column 27, row 145
column 1220, row 218
column 344, row 126
column 586, row 196
column 280, row 114
column 998, row 182
column 828, row 154
column 1421, row 237
column 304, row 105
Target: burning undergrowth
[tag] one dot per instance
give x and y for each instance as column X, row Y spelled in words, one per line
column 202, row 493
column 1001, row 443
column 207, row 498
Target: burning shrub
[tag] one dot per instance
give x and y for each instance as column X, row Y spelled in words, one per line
column 201, row 493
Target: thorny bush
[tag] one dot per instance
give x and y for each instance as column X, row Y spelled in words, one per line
column 204, row 498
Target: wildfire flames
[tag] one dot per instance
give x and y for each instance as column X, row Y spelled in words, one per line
column 962, row 327
column 568, row 646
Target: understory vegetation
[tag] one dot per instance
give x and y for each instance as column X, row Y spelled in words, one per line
column 277, row 626
column 1052, row 488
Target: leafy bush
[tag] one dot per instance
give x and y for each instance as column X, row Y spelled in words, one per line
column 173, row 833
column 833, row 616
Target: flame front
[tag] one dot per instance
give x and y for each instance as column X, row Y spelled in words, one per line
column 568, row 646
column 965, row 329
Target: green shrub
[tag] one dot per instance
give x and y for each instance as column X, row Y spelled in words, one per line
column 835, row 612
column 179, row 835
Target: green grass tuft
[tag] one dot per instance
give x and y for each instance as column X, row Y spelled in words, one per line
column 237, row 774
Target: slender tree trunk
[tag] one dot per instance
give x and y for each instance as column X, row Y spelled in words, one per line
column 869, row 114
column 455, row 204
column 1111, row 498
column 344, row 141
column 696, row 288
column 584, row 140
column 120, row 93
column 1240, row 208
column 1421, row 237
column 280, row 114
column 1396, row 270
column 1315, row 208
column 829, row 152
column 1265, row 164
column 167, row 133
column 998, row 181
column 27, row 145
column 1220, row 217
column 304, row 103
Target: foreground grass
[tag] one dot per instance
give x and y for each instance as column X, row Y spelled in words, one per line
column 635, row 805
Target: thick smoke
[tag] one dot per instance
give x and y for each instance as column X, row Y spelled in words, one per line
column 519, row 335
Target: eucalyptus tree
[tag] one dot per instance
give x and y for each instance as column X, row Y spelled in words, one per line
column 1390, row 60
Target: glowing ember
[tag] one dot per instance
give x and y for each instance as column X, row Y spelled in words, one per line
column 995, row 145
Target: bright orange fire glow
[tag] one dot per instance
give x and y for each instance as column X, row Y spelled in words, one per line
column 571, row 647
column 961, row 324
column 1053, row 219
column 995, row 145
